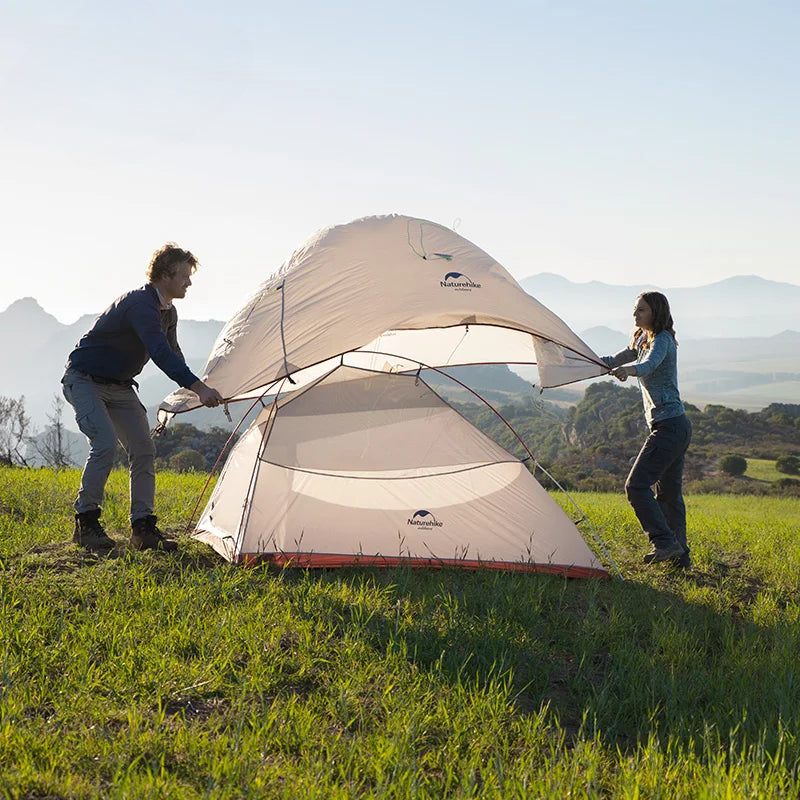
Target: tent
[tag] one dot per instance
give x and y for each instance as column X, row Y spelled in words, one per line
column 338, row 472
column 370, row 467
column 398, row 291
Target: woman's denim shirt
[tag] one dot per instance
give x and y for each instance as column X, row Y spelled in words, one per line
column 657, row 371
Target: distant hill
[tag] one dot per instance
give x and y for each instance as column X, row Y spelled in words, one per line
column 744, row 306
column 739, row 372
column 767, row 354
column 37, row 346
column 739, row 345
column 604, row 341
column 75, row 448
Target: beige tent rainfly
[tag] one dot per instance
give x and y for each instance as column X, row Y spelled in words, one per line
column 337, row 472
column 400, row 291
column 375, row 468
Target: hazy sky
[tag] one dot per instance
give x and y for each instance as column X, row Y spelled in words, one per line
column 629, row 142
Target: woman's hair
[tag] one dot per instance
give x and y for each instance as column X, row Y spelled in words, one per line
column 662, row 320
column 162, row 264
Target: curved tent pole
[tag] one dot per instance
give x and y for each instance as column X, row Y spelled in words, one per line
column 482, row 363
column 341, row 356
column 583, row 518
column 422, row 365
column 464, row 385
column 259, row 399
column 248, row 505
column 535, row 463
column 219, row 458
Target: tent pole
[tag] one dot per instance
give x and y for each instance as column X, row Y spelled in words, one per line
column 595, row 535
column 248, row 504
column 216, row 463
column 584, row 518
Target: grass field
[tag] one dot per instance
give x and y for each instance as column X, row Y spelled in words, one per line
column 148, row 675
column 763, row 469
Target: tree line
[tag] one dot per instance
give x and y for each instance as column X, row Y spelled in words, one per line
column 19, row 443
column 181, row 448
column 592, row 445
column 589, row 446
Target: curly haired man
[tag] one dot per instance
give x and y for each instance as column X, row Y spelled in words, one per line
column 99, row 384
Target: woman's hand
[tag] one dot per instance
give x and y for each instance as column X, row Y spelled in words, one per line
column 620, row 373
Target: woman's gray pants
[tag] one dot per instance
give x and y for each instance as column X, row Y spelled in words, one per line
column 106, row 412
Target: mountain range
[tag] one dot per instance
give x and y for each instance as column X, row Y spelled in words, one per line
column 739, row 342
column 743, row 306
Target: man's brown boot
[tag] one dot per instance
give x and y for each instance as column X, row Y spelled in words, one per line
column 146, row 536
column 90, row 534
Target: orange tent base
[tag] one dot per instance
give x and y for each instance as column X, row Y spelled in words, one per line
column 336, row 560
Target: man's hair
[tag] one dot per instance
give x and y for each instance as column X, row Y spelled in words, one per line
column 662, row 320
column 162, row 264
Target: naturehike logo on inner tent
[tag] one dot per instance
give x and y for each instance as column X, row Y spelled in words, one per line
column 424, row 519
column 459, row 281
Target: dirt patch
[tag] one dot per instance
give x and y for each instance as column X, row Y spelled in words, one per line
column 64, row 558
column 59, row 558
column 194, row 709
column 732, row 575
column 9, row 511
column 43, row 797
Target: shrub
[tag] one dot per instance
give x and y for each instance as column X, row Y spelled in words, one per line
column 790, row 465
column 187, row 461
column 786, row 487
column 733, row 465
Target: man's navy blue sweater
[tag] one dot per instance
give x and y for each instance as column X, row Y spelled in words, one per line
column 130, row 331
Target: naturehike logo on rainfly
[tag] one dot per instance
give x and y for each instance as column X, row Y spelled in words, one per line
column 424, row 519
column 459, row 281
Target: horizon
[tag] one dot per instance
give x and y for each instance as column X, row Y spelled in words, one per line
column 633, row 287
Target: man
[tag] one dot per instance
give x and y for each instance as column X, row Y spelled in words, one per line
column 99, row 384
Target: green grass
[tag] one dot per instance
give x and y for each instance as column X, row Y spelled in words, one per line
column 149, row 675
column 763, row 469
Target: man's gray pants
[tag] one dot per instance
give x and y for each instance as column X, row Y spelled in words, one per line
column 106, row 412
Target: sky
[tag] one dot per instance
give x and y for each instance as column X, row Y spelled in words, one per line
column 627, row 142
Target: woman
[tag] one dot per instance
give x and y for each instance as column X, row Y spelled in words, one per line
column 660, row 461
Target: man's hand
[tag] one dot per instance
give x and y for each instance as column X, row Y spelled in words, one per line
column 620, row 373
column 208, row 396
